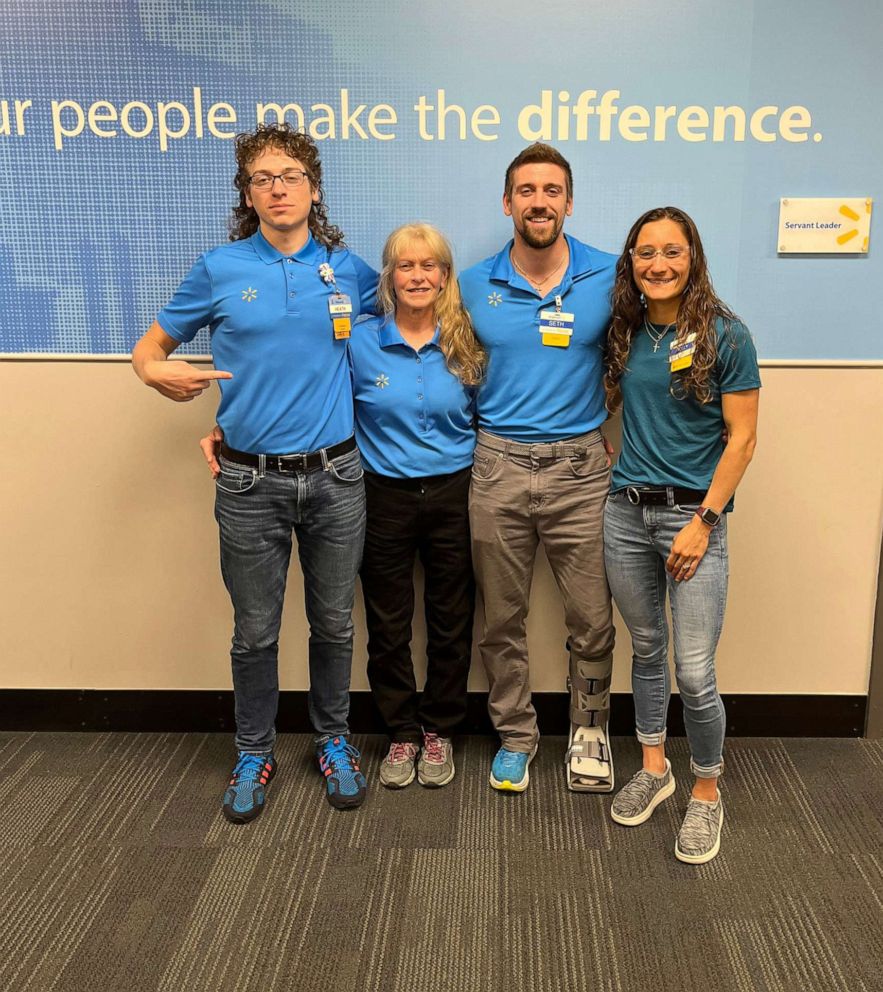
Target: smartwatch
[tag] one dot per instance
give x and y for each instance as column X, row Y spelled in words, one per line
column 708, row 516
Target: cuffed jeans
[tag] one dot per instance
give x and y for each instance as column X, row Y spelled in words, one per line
column 428, row 517
column 637, row 541
column 523, row 495
column 256, row 515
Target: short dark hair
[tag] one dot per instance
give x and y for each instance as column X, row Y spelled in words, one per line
column 284, row 138
column 538, row 152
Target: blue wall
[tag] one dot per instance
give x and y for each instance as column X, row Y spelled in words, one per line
column 98, row 231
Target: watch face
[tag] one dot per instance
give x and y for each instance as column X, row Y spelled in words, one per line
column 709, row 516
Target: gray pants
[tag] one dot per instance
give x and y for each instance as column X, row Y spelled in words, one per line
column 522, row 494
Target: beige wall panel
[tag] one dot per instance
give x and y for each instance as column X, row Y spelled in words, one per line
column 110, row 572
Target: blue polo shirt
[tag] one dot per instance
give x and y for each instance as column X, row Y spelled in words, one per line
column 413, row 416
column 677, row 442
column 270, row 326
column 533, row 392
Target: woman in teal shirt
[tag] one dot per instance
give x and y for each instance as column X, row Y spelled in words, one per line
column 685, row 371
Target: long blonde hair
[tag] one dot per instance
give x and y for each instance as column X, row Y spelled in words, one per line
column 464, row 356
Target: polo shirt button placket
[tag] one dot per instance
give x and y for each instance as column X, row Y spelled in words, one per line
column 291, row 293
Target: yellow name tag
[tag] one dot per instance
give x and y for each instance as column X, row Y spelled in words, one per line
column 342, row 327
column 680, row 355
column 556, row 328
column 556, row 340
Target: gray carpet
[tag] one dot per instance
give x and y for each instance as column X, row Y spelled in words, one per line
column 119, row 873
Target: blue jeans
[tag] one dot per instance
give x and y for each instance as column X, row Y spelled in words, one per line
column 256, row 514
column 637, row 541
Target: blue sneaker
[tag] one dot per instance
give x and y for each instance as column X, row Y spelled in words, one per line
column 509, row 770
column 339, row 763
column 244, row 798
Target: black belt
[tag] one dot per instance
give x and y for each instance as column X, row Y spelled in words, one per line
column 664, row 496
column 290, row 463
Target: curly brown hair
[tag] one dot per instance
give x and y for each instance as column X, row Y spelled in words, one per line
column 698, row 312
column 284, row 138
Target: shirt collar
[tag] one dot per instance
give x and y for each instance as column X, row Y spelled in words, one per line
column 309, row 254
column 390, row 335
column 582, row 262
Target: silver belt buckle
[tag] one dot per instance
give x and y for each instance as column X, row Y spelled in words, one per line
column 633, row 495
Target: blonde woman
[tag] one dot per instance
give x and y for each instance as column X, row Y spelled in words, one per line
column 415, row 371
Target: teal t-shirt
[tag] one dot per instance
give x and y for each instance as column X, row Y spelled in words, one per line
column 677, row 442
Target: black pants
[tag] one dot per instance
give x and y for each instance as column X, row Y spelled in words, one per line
column 428, row 516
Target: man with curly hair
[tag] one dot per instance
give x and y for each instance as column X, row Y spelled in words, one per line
column 279, row 301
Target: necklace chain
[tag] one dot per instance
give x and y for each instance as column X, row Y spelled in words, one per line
column 542, row 282
column 659, row 335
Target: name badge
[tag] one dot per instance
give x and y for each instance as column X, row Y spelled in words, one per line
column 340, row 307
column 680, row 355
column 556, row 328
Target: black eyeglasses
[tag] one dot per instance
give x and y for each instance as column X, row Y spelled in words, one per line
column 291, row 179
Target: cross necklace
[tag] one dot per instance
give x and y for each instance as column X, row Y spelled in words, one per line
column 659, row 335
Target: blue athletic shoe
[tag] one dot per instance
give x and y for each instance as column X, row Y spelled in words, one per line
column 339, row 763
column 244, row 798
column 509, row 770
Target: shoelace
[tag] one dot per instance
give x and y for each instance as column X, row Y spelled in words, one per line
column 433, row 749
column 339, row 752
column 637, row 792
column 249, row 766
column 511, row 759
column 401, row 751
column 700, row 822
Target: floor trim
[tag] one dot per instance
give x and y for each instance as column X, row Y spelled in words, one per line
column 208, row 711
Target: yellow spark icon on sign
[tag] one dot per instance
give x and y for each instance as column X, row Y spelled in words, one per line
column 848, row 235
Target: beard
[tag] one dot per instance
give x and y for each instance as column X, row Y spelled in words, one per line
column 540, row 239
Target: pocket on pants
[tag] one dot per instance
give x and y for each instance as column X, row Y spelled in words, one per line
column 347, row 468
column 592, row 463
column 486, row 467
column 686, row 509
column 236, row 479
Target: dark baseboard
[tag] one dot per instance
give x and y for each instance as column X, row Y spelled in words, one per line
column 209, row 711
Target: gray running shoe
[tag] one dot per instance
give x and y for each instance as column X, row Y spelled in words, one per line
column 397, row 769
column 699, row 838
column 436, row 765
column 636, row 800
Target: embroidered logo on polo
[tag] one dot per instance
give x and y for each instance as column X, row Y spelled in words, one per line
column 250, row 294
column 495, row 299
column 382, row 381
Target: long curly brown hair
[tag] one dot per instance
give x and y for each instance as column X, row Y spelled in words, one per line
column 700, row 307
column 464, row 356
column 281, row 137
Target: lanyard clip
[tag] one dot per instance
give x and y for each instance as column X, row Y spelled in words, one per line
column 558, row 304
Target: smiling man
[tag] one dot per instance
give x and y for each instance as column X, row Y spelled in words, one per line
column 279, row 302
column 541, row 472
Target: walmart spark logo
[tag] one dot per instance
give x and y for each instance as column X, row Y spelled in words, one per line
column 382, row 381
column 249, row 295
column 495, row 299
column 853, row 233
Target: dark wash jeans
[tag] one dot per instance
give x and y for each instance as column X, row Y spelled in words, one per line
column 429, row 517
column 256, row 515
